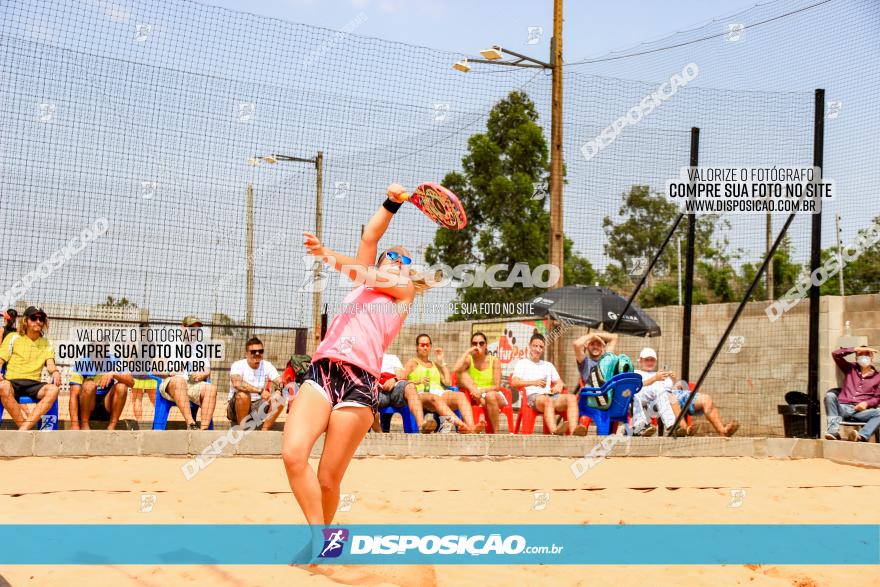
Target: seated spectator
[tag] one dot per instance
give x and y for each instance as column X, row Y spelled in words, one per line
column 858, row 398
column 24, row 354
column 702, row 403
column 184, row 387
column 543, row 388
column 87, row 384
column 431, row 380
column 395, row 390
column 654, row 396
column 249, row 380
column 479, row 374
column 589, row 348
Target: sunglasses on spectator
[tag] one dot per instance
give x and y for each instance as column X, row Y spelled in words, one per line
column 37, row 318
column 478, row 342
column 256, row 351
column 395, row 256
column 425, row 344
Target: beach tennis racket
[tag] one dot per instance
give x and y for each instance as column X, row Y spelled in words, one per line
column 440, row 205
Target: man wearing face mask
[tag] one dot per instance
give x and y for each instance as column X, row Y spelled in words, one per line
column 859, row 395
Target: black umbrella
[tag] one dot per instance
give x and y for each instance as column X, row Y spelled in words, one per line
column 594, row 307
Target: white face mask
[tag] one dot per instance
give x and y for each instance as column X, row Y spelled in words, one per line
column 864, row 361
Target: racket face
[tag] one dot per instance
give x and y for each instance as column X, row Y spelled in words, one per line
column 440, row 205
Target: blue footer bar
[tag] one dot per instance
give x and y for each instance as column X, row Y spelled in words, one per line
column 197, row 544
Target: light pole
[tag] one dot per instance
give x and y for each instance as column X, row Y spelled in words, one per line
column 318, row 162
column 494, row 56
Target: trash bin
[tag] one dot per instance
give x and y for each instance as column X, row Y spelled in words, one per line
column 794, row 420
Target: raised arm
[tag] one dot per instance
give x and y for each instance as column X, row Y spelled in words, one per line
column 445, row 378
column 462, row 364
column 838, row 356
column 610, row 341
column 578, row 346
column 396, row 286
column 377, row 225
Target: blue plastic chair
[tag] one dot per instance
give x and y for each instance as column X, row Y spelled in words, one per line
column 623, row 389
column 409, row 421
column 163, row 408
column 49, row 421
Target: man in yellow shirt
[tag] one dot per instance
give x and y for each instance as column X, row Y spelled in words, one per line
column 24, row 353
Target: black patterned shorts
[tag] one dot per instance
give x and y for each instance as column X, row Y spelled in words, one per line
column 344, row 384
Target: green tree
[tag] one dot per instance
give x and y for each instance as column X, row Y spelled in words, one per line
column 642, row 223
column 227, row 326
column 860, row 275
column 785, row 272
column 503, row 170
column 117, row 303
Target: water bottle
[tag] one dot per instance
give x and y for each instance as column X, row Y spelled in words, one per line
column 846, row 329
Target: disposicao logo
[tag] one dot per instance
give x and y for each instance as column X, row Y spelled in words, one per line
column 334, row 541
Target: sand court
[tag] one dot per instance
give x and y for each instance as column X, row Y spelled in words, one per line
column 405, row 490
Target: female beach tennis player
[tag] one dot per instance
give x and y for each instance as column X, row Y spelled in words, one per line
column 339, row 393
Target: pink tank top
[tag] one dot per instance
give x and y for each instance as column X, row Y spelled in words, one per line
column 366, row 325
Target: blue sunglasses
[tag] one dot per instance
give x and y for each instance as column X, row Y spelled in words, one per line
column 394, row 256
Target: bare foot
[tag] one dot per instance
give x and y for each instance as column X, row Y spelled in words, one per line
column 561, row 429
column 580, row 430
column 74, row 425
column 480, row 428
column 731, row 428
column 428, row 426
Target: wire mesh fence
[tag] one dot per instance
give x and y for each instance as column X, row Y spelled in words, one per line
column 134, row 179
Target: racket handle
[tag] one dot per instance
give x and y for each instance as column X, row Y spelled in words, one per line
column 404, row 196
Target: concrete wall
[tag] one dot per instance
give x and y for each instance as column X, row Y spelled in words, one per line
column 746, row 384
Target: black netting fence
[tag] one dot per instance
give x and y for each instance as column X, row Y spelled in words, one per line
column 148, row 126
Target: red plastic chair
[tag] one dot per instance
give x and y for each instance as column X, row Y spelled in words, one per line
column 507, row 411
column 525, row 420
column 480, row 413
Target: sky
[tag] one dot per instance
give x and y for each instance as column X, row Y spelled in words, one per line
column 590, row 28
column 147, row 112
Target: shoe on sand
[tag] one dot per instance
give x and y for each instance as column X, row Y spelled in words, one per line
column 561, row 429
column 649, row 431
column 580, row 430
column 681, row 432
column 832, row 436
column 428, row 426
column 854, row 436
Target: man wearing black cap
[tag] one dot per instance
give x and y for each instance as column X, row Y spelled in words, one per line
column 24, row 354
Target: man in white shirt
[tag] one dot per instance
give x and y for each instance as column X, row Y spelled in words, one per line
column 676, row 395
column 248, row 393
column 653, row 397
column 543, row 388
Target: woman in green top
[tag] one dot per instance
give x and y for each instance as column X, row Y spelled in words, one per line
column 431, row 380
column 479, row 373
